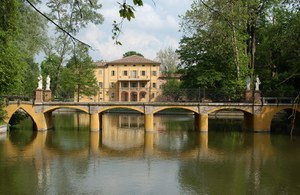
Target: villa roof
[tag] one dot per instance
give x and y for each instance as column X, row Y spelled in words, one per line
column 100, row 64
column 134, row 59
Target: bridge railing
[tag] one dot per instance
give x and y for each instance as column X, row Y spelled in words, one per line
column 17, row 98
column 199, row 95
column 167, row 95
column 178, row 95
column 279, row 100
column 170, row 95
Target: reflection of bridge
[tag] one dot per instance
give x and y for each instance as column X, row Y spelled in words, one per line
column 147, row 145
column 257, row 117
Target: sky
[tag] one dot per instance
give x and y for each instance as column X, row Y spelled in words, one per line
column 155, row 27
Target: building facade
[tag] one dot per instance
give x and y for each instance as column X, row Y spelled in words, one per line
column 132, row 79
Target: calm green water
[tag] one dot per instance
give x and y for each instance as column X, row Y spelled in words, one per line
column 122, row 159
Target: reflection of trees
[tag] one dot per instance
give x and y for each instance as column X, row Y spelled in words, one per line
column 22, row 137
column 252, row 166
column 224, row 177
column 64, row 141
column 18, row 178
column 228, row 141
column 175, row 132
column 71, row 121
column 221, row 170
column 284, row 123
column 231, row 162
column 177, row 141
column 225, row 125
column 68, row 134
column 170, row 123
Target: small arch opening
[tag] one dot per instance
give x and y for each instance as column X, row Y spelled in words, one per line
column 286, row 122
column 69, row 118
column 22, row 120
column 174, row 119
column 133, row 97
column 22, row 130
column 226, row 120
column 122, row 128
column 124, row 96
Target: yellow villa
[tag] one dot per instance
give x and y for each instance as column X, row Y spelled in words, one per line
column 132, row 79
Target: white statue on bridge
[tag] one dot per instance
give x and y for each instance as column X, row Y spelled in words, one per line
column 257, row 83
column 40, row 82
column 48, row 82
column 248, row 82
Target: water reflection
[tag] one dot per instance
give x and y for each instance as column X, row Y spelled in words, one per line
column 124, row 159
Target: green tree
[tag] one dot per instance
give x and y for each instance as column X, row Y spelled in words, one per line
column 278, row 52
column 171, row 90
column 71, row 16
column 10, row 57
column 29, row 81
column 78, row 75
column 49, row 66
column 21, row 37
column 131, row 53
column 220, row 44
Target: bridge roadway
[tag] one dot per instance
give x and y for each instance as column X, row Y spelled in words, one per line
column 257, row 117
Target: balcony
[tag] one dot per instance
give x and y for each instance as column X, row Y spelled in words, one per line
column 133, row 89
column 133, row 78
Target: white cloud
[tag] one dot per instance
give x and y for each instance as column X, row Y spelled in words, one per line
column 155, row 27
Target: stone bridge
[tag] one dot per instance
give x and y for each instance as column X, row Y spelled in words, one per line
column 257, row 117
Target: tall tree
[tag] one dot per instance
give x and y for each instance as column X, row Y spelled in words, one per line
column 278, row 51
column 168, row 59
column 78, row 75
column 71, row 16
column 22, row 36
column 220, row 43
column 10, row 60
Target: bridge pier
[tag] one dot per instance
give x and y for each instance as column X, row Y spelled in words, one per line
column 94, row 122
column 203, row 141
column 149, row 142
column 43, row 121
column 201, row 122
column 48, row 119
column 95, row 141
column 261, row 123
column 148, row 119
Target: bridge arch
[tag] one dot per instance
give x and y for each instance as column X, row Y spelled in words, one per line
column 195, row 110
column 245, row 121
column 276, row 109
column 11, row 109
column 53, row 108
column 121, row 107
column 287, row 120
column 238, row 108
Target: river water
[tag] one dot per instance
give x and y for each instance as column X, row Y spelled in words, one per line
column 123, row 159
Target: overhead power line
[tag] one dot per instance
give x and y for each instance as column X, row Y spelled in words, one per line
column 58, row 26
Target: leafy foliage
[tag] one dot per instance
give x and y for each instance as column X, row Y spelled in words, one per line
column 72, row 16
column 126, row 11
column 131, row 53
column 78, row 76
column 225, row 41
column 171, row 90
